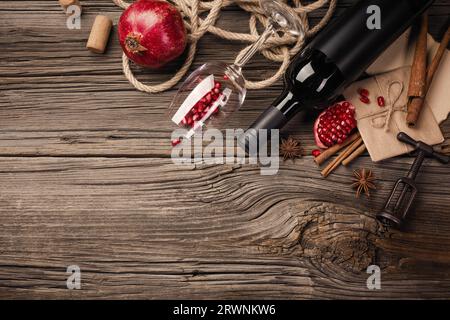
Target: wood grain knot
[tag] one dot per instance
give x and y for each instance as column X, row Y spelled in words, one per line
column 328, row 233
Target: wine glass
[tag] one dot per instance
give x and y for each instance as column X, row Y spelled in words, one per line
column 216, row 90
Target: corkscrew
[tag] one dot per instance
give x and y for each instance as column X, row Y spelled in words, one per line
column 405, row 190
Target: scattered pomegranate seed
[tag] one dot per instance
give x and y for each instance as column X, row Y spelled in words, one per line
column 316, row 153
column 363, row 92
column 225, row 77
column 364, row 99
column 175, row 142
column 381, row 101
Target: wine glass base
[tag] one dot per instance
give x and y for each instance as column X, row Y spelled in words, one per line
column 283, row 18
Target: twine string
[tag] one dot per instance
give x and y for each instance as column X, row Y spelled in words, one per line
column 277, row 48
column 386, row 113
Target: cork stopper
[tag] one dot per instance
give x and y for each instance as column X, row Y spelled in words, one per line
column 65, row 4
column 99, row 36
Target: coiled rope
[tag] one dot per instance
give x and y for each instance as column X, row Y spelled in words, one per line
column 277, row 49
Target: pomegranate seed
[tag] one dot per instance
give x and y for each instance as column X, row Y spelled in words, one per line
column 217, row 85
column 364, row 99
column 316, row 153
column 346, row 104
column 225, row 77
column 381, row 101
column 363, row 92
column 175, row 142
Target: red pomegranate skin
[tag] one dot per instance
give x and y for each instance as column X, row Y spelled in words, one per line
column 156, row 31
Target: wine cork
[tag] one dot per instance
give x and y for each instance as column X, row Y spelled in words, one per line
column 65, row 4
column 99, row 34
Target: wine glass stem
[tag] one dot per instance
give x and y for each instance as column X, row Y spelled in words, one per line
column 251, row 51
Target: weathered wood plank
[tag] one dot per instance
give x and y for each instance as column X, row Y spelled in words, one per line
column 57, row 98
column 144, row 228
column 74, row 189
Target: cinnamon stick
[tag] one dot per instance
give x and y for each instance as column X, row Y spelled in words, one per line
column 354, row 155
column 438, row 57
column 324, row 156
column 343, row 155
column 417, row 103
column 418, row 80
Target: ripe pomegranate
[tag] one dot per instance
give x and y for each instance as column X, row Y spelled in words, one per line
column 152, row 33
column 334, row 125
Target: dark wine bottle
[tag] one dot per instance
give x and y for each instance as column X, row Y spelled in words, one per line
column 338, row 56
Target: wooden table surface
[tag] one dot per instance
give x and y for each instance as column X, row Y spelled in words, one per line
column 86, row 179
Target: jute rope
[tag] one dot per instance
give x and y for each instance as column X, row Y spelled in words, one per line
column 277, row 49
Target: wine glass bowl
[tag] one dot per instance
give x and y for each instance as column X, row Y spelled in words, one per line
column 216, row 90
column 207, row 98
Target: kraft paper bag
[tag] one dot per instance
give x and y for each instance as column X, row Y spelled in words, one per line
column 394, row 66
column 379, row 126
column 401, row 54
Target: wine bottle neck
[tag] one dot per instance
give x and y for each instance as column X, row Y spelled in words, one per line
column 287, row 103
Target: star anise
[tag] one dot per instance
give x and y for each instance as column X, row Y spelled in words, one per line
column 363, row 182
column 291, row 149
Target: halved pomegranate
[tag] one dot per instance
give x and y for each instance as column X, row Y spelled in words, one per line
column 334, row 125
